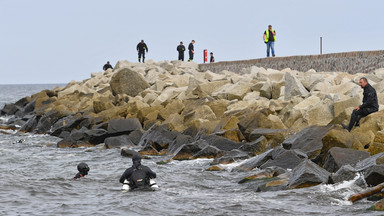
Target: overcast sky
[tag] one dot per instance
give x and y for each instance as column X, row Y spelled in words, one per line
column 52, row 41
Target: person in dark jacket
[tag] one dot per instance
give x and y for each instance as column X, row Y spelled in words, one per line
column 141, row 49
column 83, row 169
column 191, row 49
column 138, row 175
column 107, row 66
column 181, row 50
column 212, row 60
column 370, row 105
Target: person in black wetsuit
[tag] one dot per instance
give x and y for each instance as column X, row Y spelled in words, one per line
column 138, row 175
column 107, row 66
column 141, row 49
column 191, row 49
column 370, row 105
column 83, row 170
column 181, row 50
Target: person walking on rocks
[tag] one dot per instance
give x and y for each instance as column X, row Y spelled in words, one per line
column 370, row 105
column 107, row 66
column 269, row 38
column 141, row 49
column 181, row 50
column 191, row 49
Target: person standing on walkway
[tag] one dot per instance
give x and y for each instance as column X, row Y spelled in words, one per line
column 191, row 49
column 181, row 50
column 269, row 38
column 141, row 48
column 212, row 58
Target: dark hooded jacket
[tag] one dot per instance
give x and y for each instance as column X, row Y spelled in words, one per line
column 137, row 175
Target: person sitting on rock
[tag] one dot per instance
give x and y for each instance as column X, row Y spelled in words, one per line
column 107, row 66
column 370, row 105
column 138, row 176
column 83, row 170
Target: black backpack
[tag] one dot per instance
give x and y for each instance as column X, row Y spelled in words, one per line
column 138, row 177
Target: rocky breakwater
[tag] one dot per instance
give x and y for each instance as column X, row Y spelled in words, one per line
column 283, row 124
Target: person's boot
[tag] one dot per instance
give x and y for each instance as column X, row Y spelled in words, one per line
column 345, row 127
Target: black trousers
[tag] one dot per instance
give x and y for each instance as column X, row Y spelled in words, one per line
column 142, row 54
column 181, row 56
column 358, row 114
column 190, row 56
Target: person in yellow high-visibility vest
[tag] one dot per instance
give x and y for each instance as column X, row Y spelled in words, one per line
column 269, row 37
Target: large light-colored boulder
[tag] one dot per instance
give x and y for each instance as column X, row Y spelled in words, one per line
column 272, row 75
column 320, row 114
column 175, row 122
column 340, row 106
column 167, row 95
column 276, row 89
column 210, row 76
column 306, row 104
column 266, row 90
column 201, row 112
column 207, row 88
column 75, row 88
column 293, row 87
column 174, row 107
column 127, row 81
column 252, row 96
column 235, row 91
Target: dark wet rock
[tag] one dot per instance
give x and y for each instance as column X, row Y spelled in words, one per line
column 47, row 120
column 287, row 160
column 337, row 157
column 27, row 117
column 67, row 143
column 221, row 142
column 379, row 206
column 30, row 125
column 214, row 168
column 23, row 101
column 261, row 174
column 274, row 136
column 255, row 161
column 64, row 134
column 374, row 175
column 231, row 156
column 308, row 174
column 126, row 152
column 254, row 120
column 66, row 124
column 118, row 141
column 30, row 107
column 180, row 140
column 270, row 179
column 93, row 136
column 339, row 138
column 208, row 152
column 123, row 126
column 308, row 140
column 256, row 147
column 345, row 173
column 9, row 109
column 186, row 151
column 158, row 137
column 368, row 162
column 102, row 125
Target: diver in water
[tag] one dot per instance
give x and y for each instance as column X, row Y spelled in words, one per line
column 137, row 176
column 83, row 170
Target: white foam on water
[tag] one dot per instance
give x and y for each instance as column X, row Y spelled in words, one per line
column 229, row 167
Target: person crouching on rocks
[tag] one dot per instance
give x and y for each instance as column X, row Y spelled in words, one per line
column 370, row 105
column 83, row 170
column 138, row 176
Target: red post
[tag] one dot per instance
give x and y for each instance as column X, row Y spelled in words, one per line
column 205, row 55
